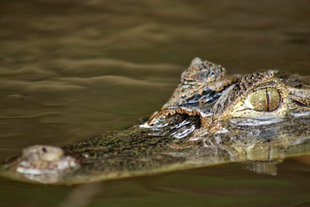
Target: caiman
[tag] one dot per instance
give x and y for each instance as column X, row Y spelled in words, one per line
column 211, row 118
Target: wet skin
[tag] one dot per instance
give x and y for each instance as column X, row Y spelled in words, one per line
column 211, row 118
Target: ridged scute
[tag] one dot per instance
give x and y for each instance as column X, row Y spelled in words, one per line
column 201, row 80
column 201, row 72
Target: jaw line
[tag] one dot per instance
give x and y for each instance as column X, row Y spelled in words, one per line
column 256, row 122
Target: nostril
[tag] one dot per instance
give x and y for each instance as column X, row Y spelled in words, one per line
column 44, row 149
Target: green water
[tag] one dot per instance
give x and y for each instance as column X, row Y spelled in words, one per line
column 74, row 69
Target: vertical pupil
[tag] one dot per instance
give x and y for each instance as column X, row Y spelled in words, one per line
column 267, row 100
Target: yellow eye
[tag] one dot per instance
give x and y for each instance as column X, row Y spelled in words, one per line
column 265, row 99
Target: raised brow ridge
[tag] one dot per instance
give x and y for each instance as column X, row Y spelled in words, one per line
column 196, row 82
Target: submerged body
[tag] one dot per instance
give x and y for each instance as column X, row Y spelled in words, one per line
column 211, row 118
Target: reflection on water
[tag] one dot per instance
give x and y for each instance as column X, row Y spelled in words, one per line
column 73, row 69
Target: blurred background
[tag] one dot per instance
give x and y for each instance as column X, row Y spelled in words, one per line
column 72, row 69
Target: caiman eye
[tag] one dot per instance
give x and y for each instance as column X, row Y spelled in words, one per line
column 265, row 99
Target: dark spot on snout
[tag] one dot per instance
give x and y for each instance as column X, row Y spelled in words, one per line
column 267, row 134
column 298, row 85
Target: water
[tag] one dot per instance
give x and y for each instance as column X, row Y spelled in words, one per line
column 73, row 69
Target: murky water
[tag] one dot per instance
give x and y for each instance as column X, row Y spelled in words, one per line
column 73, row 69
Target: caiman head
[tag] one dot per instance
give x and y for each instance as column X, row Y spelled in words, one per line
column 242, row 114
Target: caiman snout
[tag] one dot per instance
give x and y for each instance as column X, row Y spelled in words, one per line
column 43, row 163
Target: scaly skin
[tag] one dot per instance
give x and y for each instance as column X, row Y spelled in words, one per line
column 211, row 118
